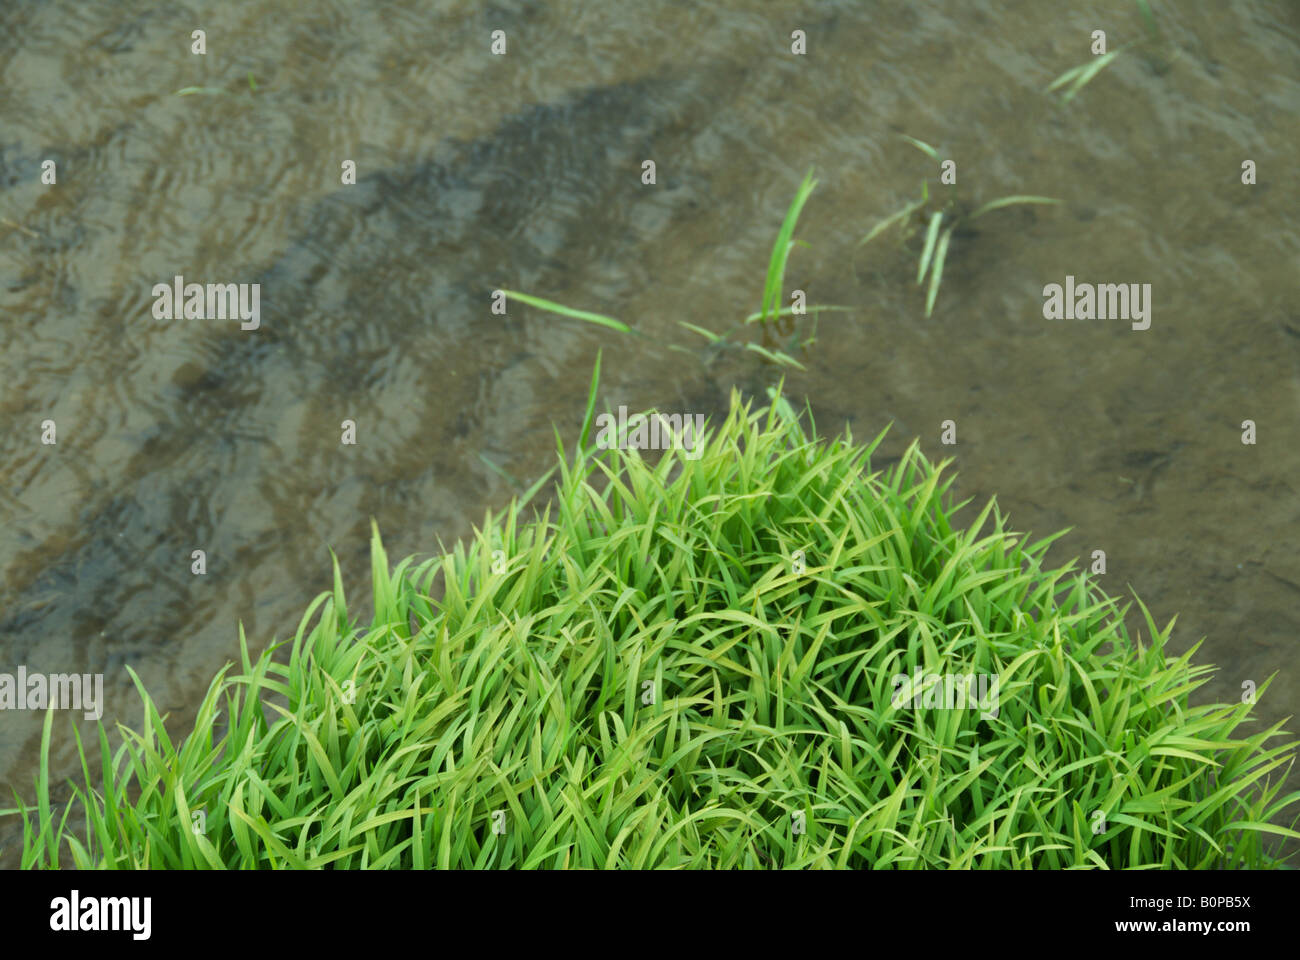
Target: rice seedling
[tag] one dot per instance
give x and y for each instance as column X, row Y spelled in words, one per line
column 776, row 319
column 770, row 314
column 771, row 310
column 1076, row 78
column 694, row 663
column 934, row 251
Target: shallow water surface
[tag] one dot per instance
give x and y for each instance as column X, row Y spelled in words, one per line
column 478, row 172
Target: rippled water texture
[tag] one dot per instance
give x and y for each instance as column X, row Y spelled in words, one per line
column 477, row 172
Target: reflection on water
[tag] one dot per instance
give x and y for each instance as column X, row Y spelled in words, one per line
column 477, row 172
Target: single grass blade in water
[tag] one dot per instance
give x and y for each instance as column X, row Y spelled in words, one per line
column 931, row 235
column 900, row 216
column 1079, row 77
column 791, row 312
column 921, row 145
column 781, row 249
column 939, row 254
column 590, row 413
column 1148, row 18
column 564, row 311
column 1009, row 201
column 502, row 473
column 775, row 356
column 707, row 334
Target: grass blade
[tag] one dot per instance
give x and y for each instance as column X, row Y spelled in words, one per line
column 935, row 276
column 931, row 235
column 777, row 356
column 781, row 249
column 921, row 145
column 502, row 473
column 1008, row 201
column 590, row 413
column 901, row 215
column 1083, row 74
column 564, row 311
column 1148, row 18
column 707, row 334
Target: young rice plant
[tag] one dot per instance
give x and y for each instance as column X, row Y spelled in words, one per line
column 935, row 251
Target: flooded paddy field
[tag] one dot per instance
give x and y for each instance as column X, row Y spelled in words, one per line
column 477, row 172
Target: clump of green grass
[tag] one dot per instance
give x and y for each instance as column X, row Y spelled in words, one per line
column 680, row 664
column 937, row 238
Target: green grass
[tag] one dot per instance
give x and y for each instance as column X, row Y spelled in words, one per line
column 646, row 676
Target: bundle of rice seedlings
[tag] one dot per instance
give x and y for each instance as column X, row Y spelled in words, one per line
column 739, row 660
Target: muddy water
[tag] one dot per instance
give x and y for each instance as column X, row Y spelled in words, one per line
column 477, row 172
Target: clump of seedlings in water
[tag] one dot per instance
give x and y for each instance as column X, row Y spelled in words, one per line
column 756, row 658
column 955, row 214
